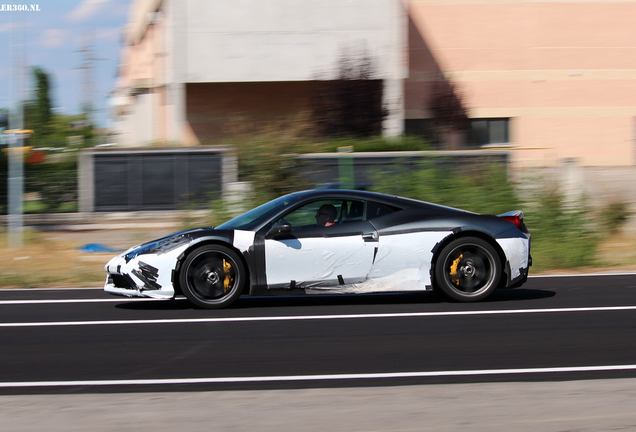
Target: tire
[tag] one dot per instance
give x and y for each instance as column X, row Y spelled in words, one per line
column 212, row 276
column 468, row 269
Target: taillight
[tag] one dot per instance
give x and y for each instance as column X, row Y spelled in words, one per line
column 516, row 217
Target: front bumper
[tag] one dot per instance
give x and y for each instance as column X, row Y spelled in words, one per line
column 147, row 275
column 126, row 292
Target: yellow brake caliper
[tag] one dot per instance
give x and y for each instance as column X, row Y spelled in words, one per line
column 228, row 279
column 453, row 270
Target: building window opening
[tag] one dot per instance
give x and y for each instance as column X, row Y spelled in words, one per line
column 489, row 131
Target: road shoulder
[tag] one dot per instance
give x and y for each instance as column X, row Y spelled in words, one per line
column 588, row 405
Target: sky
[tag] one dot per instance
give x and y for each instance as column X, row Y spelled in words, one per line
column 52, row 39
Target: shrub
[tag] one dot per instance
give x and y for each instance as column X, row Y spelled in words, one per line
column 614, row 215
column 56, row 184
column 480, row 189
column 564, row 234
column 267, row 161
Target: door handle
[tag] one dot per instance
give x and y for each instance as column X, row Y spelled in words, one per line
column 370, row 237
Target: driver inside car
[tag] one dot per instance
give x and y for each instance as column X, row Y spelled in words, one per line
column 326, row 215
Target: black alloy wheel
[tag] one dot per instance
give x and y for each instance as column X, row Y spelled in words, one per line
column 212, row 276
column 468, row 269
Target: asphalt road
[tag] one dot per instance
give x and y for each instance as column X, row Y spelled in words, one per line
column 564, row 334
column 85, row 340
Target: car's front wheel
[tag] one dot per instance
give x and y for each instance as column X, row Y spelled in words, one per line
column 468, row 269
column 212, row 276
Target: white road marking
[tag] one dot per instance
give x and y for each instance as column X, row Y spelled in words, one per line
column 52, row 289
column 113, row 300
column 318, row 317
column 568, row 275
column 221, row 380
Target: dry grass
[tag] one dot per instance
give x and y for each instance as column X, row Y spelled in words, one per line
column 619, row 250
column 45, row 262
column 616, row 253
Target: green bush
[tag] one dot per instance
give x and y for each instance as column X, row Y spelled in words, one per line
column 267, row 161
column 564, row 234
column 54, row 182
column 480, row 189
column 614, row 215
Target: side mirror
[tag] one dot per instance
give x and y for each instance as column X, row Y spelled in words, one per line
column 277, row 230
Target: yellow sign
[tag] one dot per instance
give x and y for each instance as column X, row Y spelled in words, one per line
column 18, row 150
column 18, row 131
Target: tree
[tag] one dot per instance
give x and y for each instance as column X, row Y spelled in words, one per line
column 49, row 128
column 350, row 105
column 450, row 118
column 38, row 111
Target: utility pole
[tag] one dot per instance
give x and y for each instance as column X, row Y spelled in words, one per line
column 87, row 67
column 16, row 183
column 15, row 140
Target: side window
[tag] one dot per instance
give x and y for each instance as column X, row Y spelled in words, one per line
column 352, row 211
column 375, row 210
column 329, row 212
column 316, row 213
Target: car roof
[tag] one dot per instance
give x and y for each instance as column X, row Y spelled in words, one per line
column 346, row 193
column 375, row 196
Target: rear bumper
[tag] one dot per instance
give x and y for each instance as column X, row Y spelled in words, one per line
column 517, row 260
column 521, row 279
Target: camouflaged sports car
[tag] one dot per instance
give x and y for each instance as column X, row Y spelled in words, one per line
column 331, row 241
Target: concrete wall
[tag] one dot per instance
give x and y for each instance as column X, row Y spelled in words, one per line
column 284, row 41
column 564, row 72
column 287, row 40
column 173, row 46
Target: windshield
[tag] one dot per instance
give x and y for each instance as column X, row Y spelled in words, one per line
column 254, row 218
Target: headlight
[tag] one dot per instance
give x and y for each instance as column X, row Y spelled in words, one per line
column 160, row 246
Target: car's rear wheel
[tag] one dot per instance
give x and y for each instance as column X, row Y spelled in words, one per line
column 212, row 276
column 468, row 269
